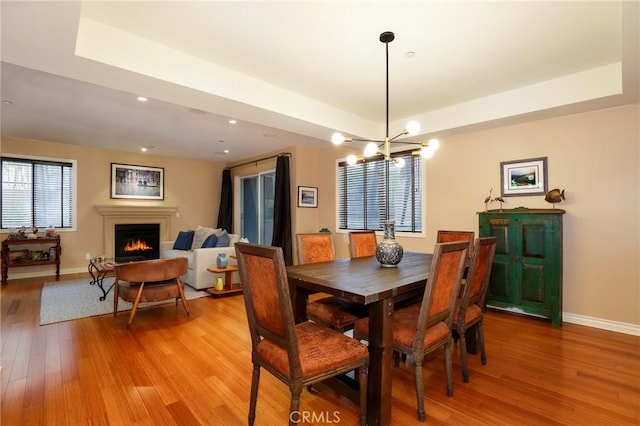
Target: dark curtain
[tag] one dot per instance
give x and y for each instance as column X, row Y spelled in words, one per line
column 282, row 210
column 225, row 214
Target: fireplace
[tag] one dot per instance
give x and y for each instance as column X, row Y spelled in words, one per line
column 137, row 241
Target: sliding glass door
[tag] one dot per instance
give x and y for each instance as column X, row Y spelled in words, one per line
column 256, row 206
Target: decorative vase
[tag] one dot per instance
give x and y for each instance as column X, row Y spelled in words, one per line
column 389, row 252
column 222, row 261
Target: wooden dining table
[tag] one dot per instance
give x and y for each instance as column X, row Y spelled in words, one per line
column 365, row 281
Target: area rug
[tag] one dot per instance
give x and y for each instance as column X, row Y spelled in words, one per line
column 69, row 300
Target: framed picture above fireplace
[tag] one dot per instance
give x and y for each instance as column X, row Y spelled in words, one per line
column 137, row 182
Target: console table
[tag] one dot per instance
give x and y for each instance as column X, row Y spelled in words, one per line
column 16, row 253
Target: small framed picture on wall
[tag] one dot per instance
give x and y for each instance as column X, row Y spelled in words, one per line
column 307, row 196
column 524, row 177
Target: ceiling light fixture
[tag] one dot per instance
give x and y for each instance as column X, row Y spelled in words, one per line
column 383, row 147
column 232, row 121
column 142, row 99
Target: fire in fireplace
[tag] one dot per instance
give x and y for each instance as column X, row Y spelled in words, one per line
column 137, row 241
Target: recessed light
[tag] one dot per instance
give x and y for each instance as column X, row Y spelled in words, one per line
column 7, row 102
column 142, row 99
column 226, row 151
column 146, row 148
column 410, row 54
column 232, row 121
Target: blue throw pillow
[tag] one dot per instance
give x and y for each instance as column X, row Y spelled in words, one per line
column 183, row 241
column 223, row 239
column 210, row 241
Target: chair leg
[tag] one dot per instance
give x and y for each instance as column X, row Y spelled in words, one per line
column 480, row 334
column 294, row 407
column 363, row 374
column 419, row 387
column 116, row 292
column 463, row 356
column 448, row 367
column 255, row 380
column 134, row 309
column 181, row 291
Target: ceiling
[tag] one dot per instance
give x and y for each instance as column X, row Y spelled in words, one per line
column 292, row 73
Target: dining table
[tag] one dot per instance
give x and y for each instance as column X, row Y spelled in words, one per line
column 365, row 281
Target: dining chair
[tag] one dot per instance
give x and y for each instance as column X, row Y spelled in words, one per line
column 149, row 281
column 362, row 243
column 331, row 311
column 297, row 354
column 471, row 305
column 420, row 332
column 444, row 236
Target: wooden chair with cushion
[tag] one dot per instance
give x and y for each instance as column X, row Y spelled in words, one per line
column 419, row 332
column 331, row 311
column 471, row 305
column 149, row 281
column 362, row 243
column 451, row 236
column 297, row 354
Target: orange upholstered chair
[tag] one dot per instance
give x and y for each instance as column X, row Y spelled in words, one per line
column 297, row 354
column 471, row 306
column 419, row 332
column 362, row 243
column 451, row 236
column 149, row 281
column 331, row 311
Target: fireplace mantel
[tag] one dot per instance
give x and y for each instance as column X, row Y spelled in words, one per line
column 133, row 214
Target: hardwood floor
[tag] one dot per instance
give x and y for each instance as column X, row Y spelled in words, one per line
column 170, row 369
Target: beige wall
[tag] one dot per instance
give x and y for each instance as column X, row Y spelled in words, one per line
column 193, row 187
column 594, row 156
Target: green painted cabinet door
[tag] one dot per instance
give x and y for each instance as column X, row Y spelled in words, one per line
column 527, row 268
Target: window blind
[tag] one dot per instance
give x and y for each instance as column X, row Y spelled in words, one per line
column 36, row 193
column 367, row 189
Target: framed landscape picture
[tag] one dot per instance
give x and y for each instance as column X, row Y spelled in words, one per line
column 307, row 196
column 524, row 177
column 137, row 182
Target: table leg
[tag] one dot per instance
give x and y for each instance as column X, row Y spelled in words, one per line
column 97, row 278
column 228, row 285
column 380, row 362
column 299, row 297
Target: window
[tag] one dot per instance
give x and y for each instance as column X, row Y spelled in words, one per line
column 365, row 187
column 37, row 192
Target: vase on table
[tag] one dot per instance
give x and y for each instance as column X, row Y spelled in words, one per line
column 389, row 252
column 222, row 261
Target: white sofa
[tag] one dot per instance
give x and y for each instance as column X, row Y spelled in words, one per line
column 199, row 260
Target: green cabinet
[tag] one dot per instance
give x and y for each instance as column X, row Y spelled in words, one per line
column 527, row 268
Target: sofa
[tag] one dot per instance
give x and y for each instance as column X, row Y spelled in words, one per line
column 200, row 258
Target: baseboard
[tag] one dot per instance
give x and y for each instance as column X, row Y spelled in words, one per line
column 617, row 326
column 13, row 275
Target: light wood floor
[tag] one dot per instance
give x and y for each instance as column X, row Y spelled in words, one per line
column 173, row 370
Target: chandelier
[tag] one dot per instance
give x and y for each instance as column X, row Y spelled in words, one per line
column 383, row 147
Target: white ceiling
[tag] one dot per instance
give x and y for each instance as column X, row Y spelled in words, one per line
column 294, row 72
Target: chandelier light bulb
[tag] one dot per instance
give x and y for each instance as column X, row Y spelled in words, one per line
column 434, row 144
column 426, row 152
column 337, row 138
column 413, row 127
column 399, row 162
column 371, row 149
column 352, row 159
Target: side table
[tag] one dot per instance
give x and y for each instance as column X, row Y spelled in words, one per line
column 230, row 289
column 98, row 271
